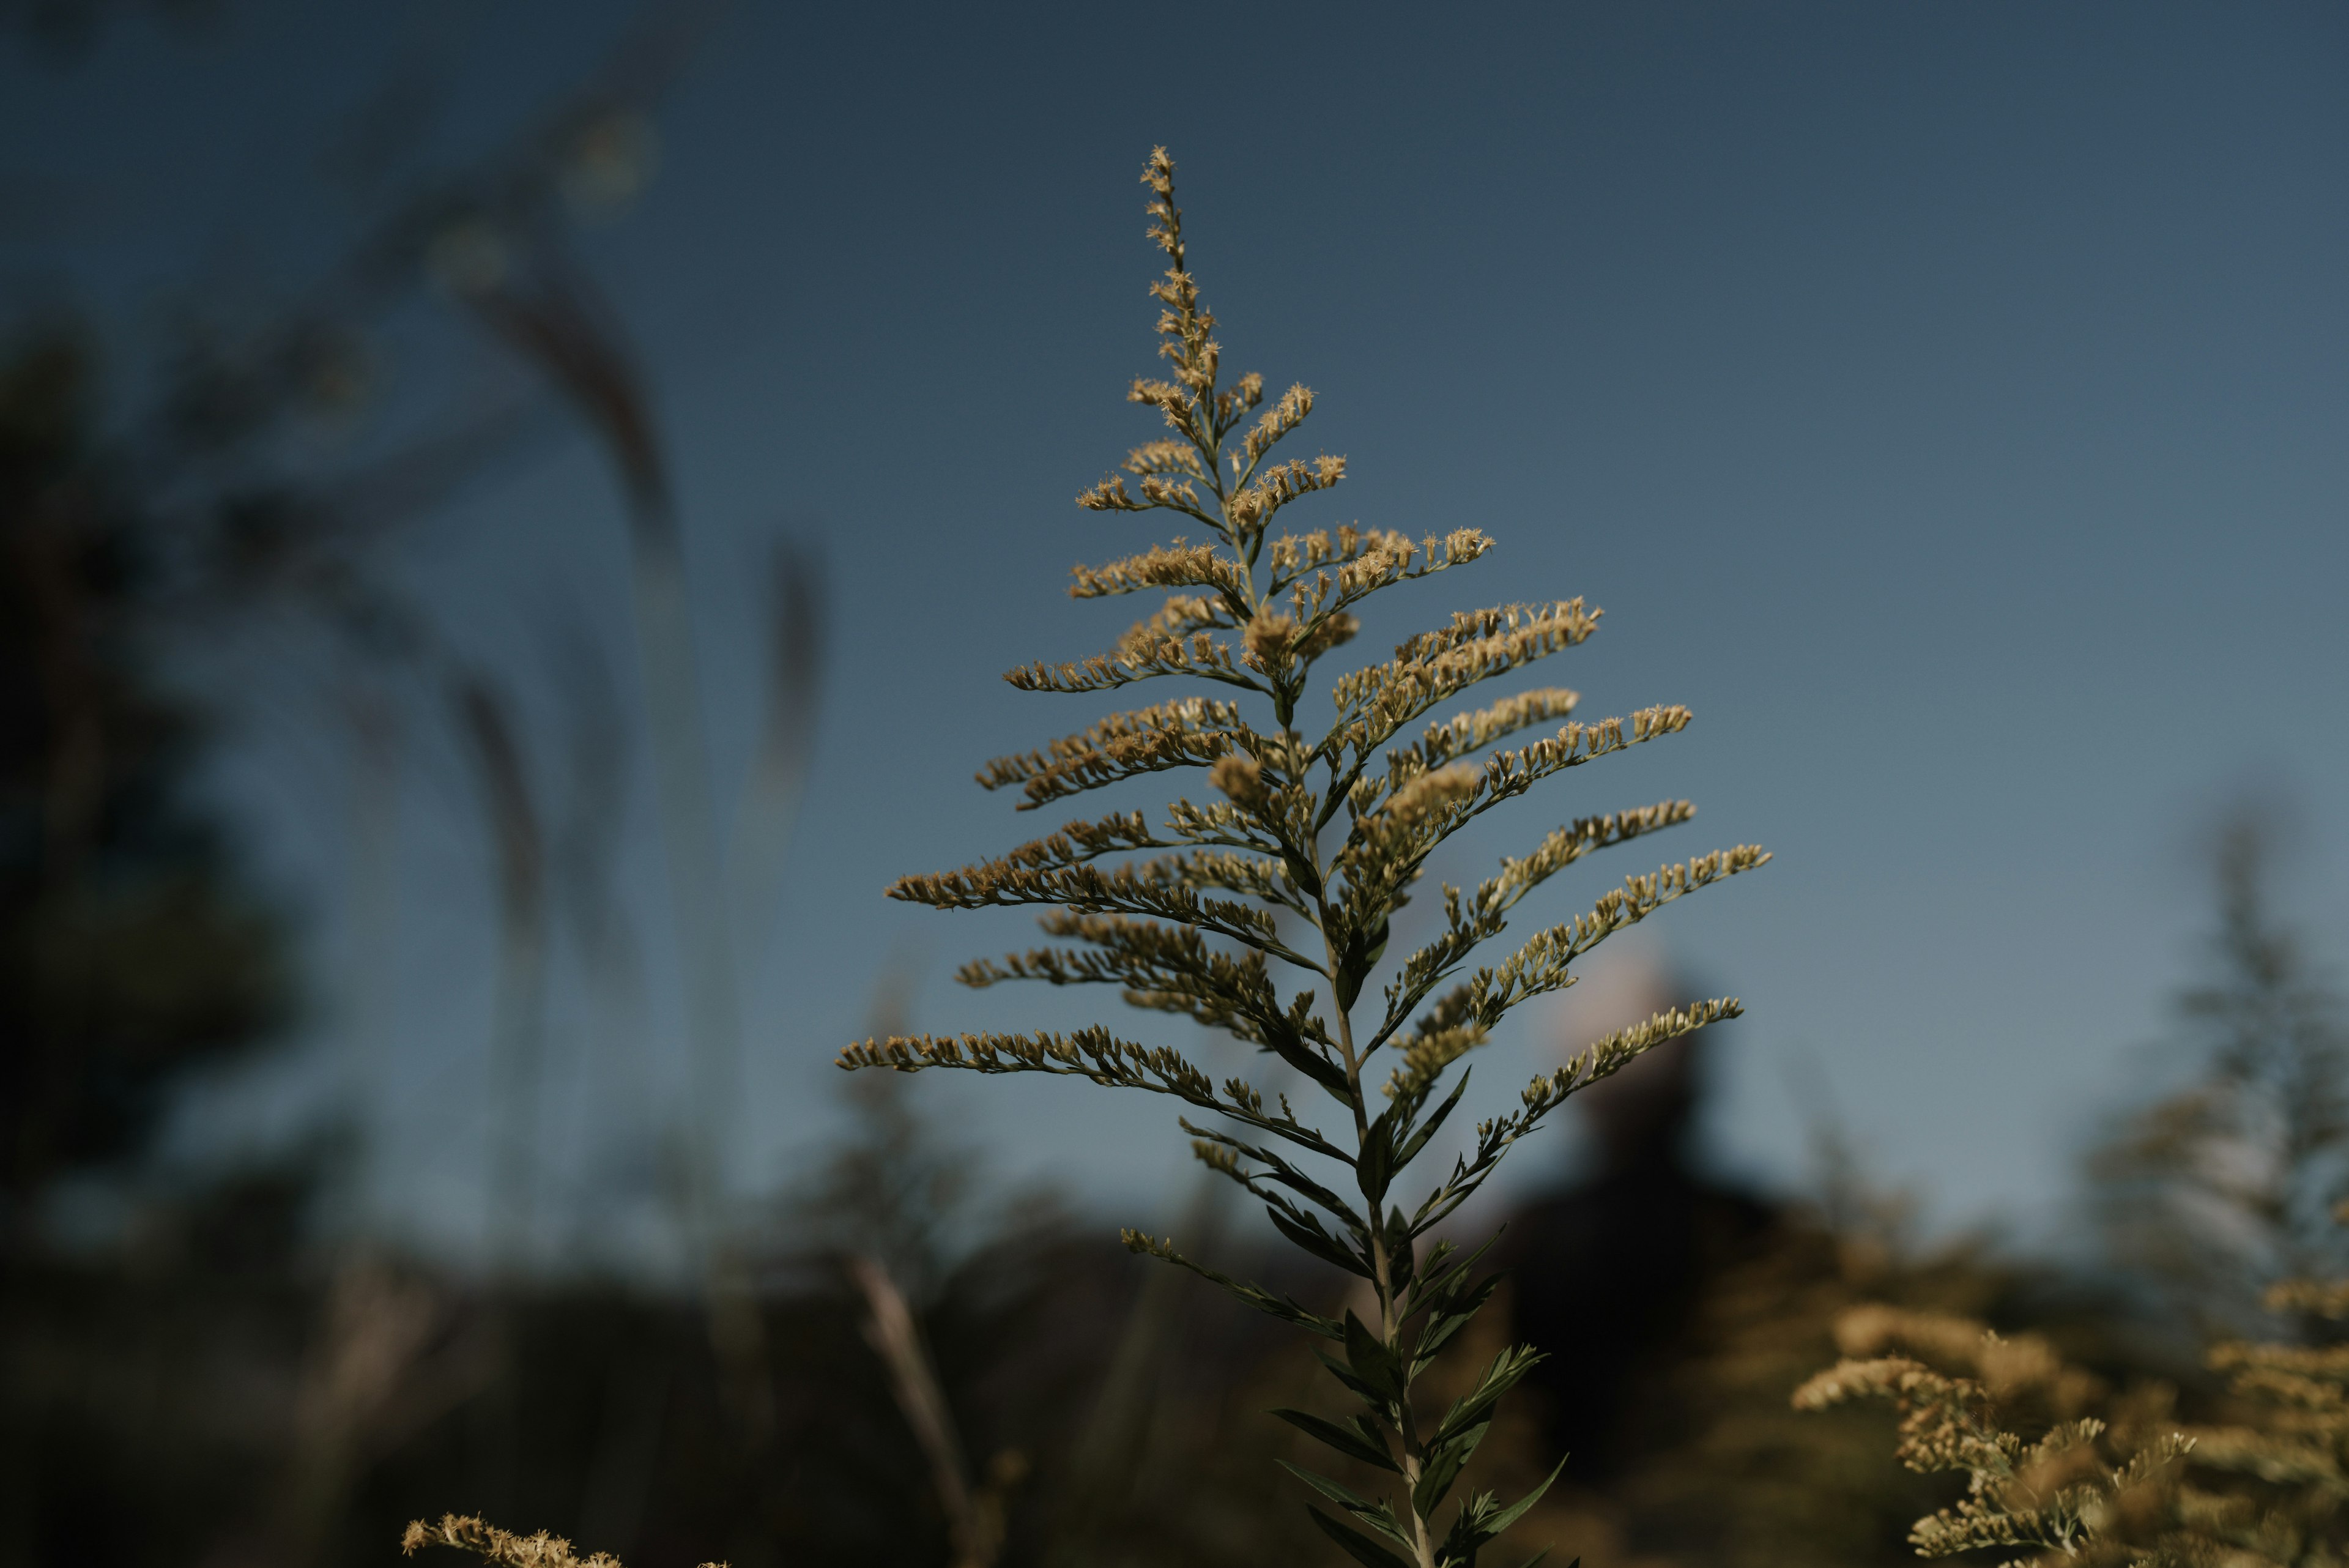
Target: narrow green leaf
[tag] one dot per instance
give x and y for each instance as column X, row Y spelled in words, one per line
column 1467, row 1534
column 1374, row 1165
column 1362, row 950
column 1371, row 1360
column 1378, row 1515
column 1444, row 1460
column 1281, row 1173
column 1504, row 1373
column 1350, row 1441
column 1368, row 1430
column 1345, row 1497
column 1517, row 1510
column 1436, row 1281
column 1361, row 1390
column 1358, row 1546
column 1256, row 1296
column 1418, row 1140
column 1320, row 1243
column 1294, row 1051
column 1402, row 1264
column 1455, row 1316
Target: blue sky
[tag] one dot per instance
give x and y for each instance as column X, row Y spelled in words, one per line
column 1947, row 403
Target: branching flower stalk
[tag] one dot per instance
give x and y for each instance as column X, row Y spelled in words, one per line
column 1298, row 864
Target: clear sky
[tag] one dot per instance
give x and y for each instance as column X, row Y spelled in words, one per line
column 1947, row 402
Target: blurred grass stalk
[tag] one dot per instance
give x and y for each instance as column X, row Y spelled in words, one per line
column 514, row 823
column 554, row 322
column 374, row 826
column 770, row 807
column 555, row 325
column 974, row 1513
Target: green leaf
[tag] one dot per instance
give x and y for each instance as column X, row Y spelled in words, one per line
column 1517, row 1510
column 1508, row 1368
column 1362, row 1390
column 1418, row 1140
column 1372, row 1361
column 1374, row 1165
column 1358, row 1441
column 1368, row 1430
column 1454, row 1316
column 1444, row 1463
column 1358, row 1546
column 1312, row 1238
column 1345, row 1497
column 1457, row 1287
column 1401, row 1267
column 1256, row 1296
column 1360, row 955
column 1280, row 1171
column 1442, row 1274
column 1467, row 1534
column 1293, row 1050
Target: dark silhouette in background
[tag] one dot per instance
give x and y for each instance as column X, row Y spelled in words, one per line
column 1607, row 1271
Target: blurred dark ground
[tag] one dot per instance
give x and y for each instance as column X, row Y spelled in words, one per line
column 231, row 1369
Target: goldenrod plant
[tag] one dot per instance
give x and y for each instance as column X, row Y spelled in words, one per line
column 2082, row 1489
column 2283, row 1465
column 1295, row 870
column 2127, row 1486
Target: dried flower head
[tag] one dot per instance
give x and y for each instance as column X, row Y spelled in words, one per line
column 502, row 1547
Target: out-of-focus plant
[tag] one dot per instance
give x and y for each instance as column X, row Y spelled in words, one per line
column 2129, row 1485
column 2227, row 1193
column 1303, row 863
column 2285, row 1458
column 2081, row 1488
column 2220, row 1189
column 131, row 951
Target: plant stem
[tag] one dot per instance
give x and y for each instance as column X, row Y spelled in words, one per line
column 1381, row 1260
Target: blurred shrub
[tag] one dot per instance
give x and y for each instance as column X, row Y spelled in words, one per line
column 130, row 952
